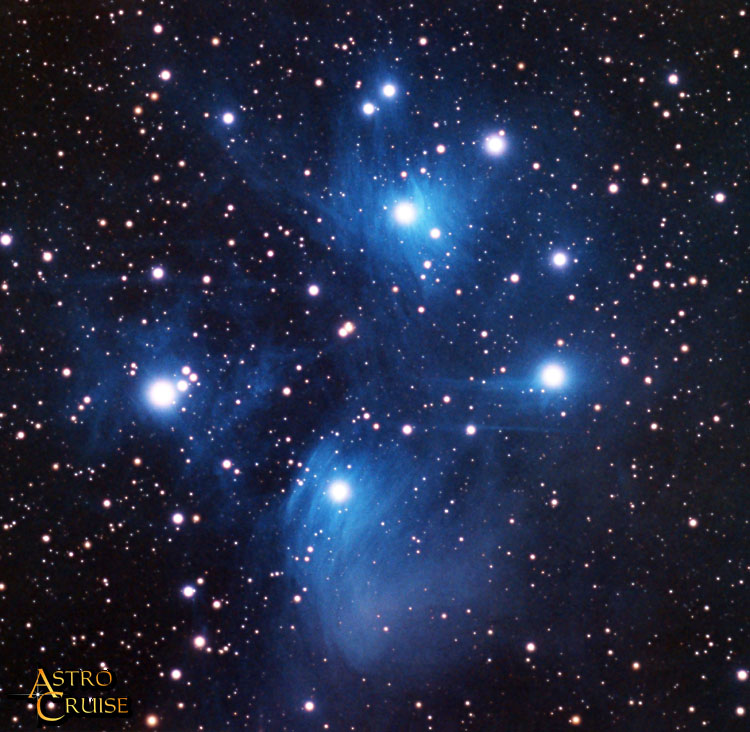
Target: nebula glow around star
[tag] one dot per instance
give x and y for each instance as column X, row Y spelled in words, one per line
column 560, row 259
column 371, row 602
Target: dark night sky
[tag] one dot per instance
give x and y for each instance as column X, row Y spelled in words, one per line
column 376, row 366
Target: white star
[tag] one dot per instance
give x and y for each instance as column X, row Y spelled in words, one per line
column 495, row 144
column 339, row 491
column 405, row 213
column 162, row 393
column 553, row 376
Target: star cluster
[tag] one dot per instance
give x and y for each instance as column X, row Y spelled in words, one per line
column 378, row 368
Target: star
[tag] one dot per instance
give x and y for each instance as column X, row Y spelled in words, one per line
column 157, row 273
column 162, row 393
column 368, row 108
column 405, row 213
column 389, row 90
column 495, row 145
column 560, row 259
column 227, row 118
column 339, row 491
column 553, row 376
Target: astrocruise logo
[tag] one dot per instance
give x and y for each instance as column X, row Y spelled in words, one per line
column 74, row 693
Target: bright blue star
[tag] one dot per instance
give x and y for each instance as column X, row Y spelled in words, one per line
column 227, row 118
column 495, row 144
column 553, row 376
column 339, row 491
column 405, row 213
column 162, row 393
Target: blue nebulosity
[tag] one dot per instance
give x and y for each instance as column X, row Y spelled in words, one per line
column 376, row 346
column 382, row 570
